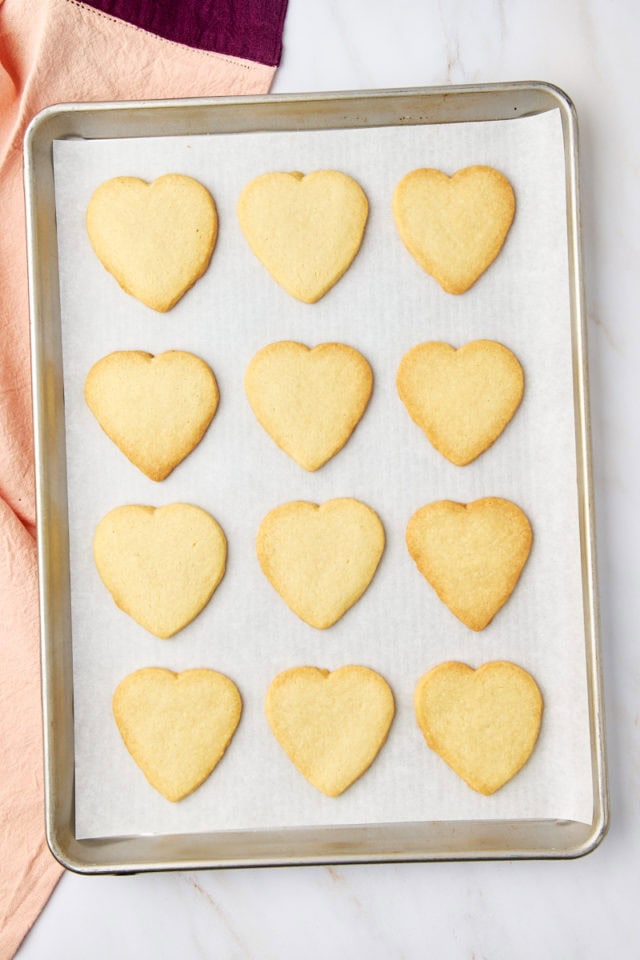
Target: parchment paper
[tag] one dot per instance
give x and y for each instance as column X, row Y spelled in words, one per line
column 383, row 306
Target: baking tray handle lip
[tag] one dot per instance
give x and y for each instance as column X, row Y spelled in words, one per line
column 40, row 120
column 88, row 865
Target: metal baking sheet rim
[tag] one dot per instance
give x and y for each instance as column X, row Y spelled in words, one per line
column 460, row 840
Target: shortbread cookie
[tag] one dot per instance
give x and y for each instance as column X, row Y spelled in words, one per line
column 309, row 401
column 462, row 399
column 156, row 239
column 161, row 565
column 176, row 726
column 331, row 725
column 305, row 229
column 483, row 723
column 156, row 409
column 320, row 559
column 472, row 554
column 454, row 226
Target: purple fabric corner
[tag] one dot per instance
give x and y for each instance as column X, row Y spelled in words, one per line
column 251, row 29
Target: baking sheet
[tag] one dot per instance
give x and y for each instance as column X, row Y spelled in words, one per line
column 383, row 306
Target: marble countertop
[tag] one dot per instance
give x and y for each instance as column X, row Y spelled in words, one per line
column 585, row 908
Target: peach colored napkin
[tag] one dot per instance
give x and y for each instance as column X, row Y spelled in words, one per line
column 53, row 51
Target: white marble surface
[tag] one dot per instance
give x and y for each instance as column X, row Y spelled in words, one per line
column 586, row 908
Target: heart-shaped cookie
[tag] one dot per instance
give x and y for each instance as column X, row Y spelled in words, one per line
column 454, row 226
column 156, row 238
column 484, row 723
column 472, row 554
column 309, row 401
column 462, row 399
column 320, row 559
column 161, row 565
column 305, row 230
column 156, row 409
column 176, row 726
column 331, row 725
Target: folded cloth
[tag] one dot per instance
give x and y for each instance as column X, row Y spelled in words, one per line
column 54, row 51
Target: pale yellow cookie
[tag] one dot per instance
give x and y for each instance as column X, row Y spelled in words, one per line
column 156, row 409
column 454, row 226
column 309, row 400
column 161, row 565
column 305, row 229
column 462, row 399
column 472, row 554
column 155, row 238
column 320, row 559
column 483, row 723
column 331, row 725
column 176, row 726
